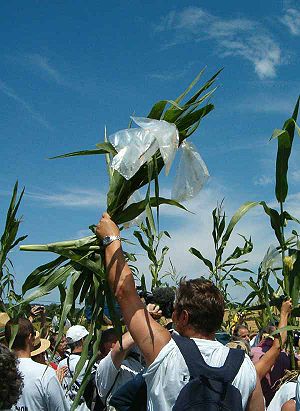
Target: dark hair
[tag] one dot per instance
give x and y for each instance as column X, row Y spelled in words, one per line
column 239, row 327
column 25, row 328
column 108, row 335
column 164, row 297
column 52, row 340
column 204, row 303
column 11, row 381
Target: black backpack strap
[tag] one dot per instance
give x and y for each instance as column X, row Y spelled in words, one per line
column 198, row 367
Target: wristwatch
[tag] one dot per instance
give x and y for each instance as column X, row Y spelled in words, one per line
column 109, row 239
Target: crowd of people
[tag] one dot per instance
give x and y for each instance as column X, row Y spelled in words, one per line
column 182, row 363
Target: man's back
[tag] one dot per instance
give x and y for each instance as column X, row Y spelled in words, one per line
column 42, row 390
column 71, row 391
column 168, row 374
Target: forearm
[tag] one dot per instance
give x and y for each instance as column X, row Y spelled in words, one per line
column 283, row 323
column 118, row 353
column 266, row 362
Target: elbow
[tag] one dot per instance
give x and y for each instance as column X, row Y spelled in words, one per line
column 125, row 287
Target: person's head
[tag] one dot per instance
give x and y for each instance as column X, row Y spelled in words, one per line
column 40, row 347
column 266, row 332
column 62, row 346
column 240, row 343
column 108, row 340
column 75, row 337
column 24, row 338
column 11, row 382
column 242, row 332
column 199, row 307
column 164, row 297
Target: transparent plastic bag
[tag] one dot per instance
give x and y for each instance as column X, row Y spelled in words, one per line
column 191, row 174
column 135, row 146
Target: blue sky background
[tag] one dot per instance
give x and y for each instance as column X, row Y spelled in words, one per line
column 70, row 68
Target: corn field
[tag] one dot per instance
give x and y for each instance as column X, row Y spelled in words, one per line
column 77, row 269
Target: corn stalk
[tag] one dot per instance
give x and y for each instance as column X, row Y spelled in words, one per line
column 79, row 266
column 8, row 241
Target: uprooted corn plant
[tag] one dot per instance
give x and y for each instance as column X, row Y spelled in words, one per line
column 79, row 263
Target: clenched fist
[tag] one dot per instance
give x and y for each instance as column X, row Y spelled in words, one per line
column 106, row 227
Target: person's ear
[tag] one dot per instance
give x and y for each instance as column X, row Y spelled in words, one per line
column 184, row 318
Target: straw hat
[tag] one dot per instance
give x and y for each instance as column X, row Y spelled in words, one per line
column 4, row 318
column 40, row 345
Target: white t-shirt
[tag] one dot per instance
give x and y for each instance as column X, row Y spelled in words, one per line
column 298, row 395
column 168, row 374
column 107, row 374
column 284, row 394
column 70, row 392
column 42, row 390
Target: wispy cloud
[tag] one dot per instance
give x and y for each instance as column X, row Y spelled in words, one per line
column 9, row 92
column 42, row 63
column 263, row 180
column 234, row 37
column 172, row 74
column 291, row 19
column 74, row 197
column 267, row 103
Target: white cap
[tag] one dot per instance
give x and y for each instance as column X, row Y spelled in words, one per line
column 76, row 333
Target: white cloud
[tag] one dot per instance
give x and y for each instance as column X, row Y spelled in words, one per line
column 75, row 197
column 9, row 92
column 291, row 19
column 263, row 180
column 295, row 176
column 42, row 63
column 234, row 37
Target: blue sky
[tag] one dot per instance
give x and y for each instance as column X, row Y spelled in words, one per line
column 70, row 68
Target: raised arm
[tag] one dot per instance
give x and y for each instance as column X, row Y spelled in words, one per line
column 119, row 353
column 266, row 362
column 149, row 336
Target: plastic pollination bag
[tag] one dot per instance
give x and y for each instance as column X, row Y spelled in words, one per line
column 191, row 174
column 135, row 146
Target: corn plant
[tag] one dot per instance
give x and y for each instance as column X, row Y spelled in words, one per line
column 149, row 240
column 8, row 241
column 289, row 280
column 80, row 263
column 222, row 269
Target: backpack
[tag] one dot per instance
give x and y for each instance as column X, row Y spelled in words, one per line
column 209, row 388
column 132, row 396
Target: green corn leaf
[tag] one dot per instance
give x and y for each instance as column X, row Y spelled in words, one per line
column 197, row 253
column 235, row 219
column 189, row 88
column 14, row 332
column 157, row 110
column 135, row 209
column 103, row 148
column 275, row 221
column 39, row 274
column 67, row 305
column 190, row 119
column 48, row 284
column 285, row 139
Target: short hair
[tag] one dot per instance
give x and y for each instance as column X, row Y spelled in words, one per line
column 239, row 327
column 204, row 303
column 25, row 328
column 108, row 335
column 164, row 297
column 11, row 381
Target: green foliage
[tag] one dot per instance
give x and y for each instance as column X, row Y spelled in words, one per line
column 79, row 271
column 150, row 242
column 8, row 241
column 223, row 269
